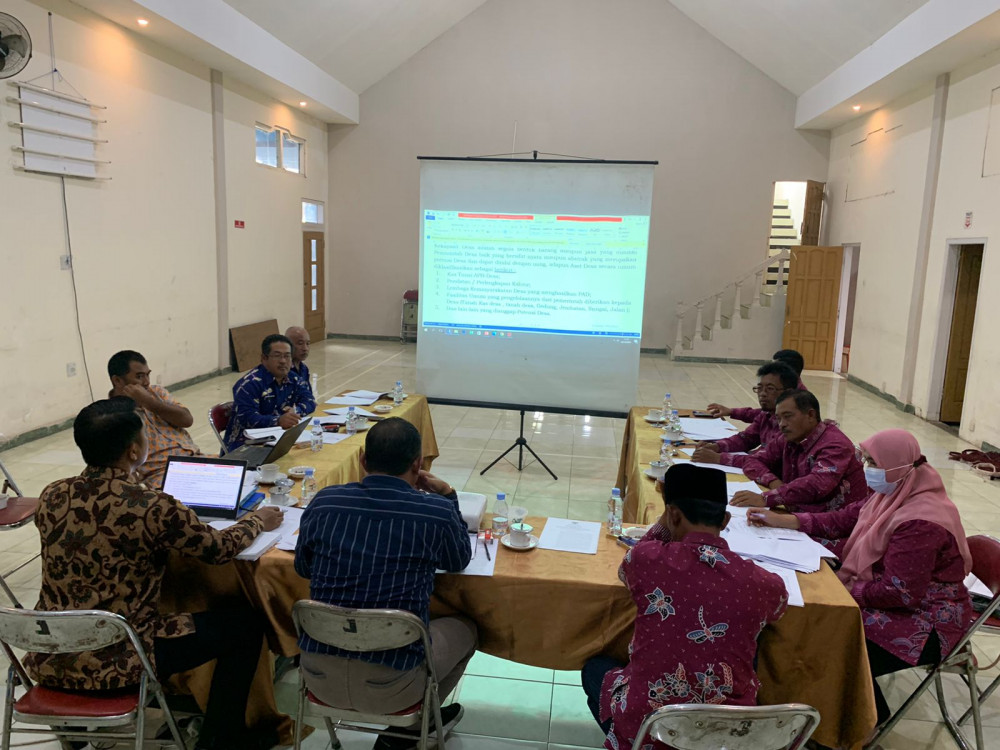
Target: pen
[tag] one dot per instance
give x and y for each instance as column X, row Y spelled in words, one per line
column 487, row 548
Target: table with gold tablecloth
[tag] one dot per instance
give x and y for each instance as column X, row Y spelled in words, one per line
column 556, row 610
column 192, row 586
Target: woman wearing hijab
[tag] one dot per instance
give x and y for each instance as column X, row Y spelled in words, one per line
column 905, row 559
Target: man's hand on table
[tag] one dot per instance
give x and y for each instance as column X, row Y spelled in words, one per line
column 773, row 519
column 748, row 499
column 430, row 483
column 289, row 419
column 270, row 517
column 718, row 410
column 707, row 453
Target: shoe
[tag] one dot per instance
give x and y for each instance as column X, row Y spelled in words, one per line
column 450, row 715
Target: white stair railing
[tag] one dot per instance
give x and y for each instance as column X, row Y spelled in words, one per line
column 700, row 317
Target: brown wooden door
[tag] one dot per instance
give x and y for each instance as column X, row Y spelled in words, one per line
column 813, row 213
column 811, row 305
column 313, row 286
column 963, row 318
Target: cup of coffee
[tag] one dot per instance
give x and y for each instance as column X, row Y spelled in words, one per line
column 520, row 534
column 655, row 415
column 3, row 500
column 269, row 473
column 658, row 469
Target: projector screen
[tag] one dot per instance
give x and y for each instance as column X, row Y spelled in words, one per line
column 532, row 276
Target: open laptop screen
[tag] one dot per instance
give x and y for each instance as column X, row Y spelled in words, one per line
column 211, row 487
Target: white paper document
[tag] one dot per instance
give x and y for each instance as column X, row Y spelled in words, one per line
column 564, row 535
column 264, row 541
column 719, row 467
column 706, row 429
column 782, row 547
column 340, row 414
column 329, row 438
column 289, row 529
column 256, row 433
column 350, row 401
column 791, row 581
column 373, row 396
column 733, row 487
column 975, row 586
column 481, row 563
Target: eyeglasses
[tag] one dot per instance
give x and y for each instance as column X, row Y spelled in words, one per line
column 768, row 389
column 863, row 459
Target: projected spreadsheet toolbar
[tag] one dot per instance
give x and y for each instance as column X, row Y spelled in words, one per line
column 533, row 273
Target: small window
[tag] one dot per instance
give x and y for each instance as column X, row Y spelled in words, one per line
column 267, row 146
column 292, row 149
column 312, row 213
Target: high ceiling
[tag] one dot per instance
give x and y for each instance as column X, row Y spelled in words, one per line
column 795, row 42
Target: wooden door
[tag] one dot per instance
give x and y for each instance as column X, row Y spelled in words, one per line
column 811, row 306
column 963, row 318
column 813, row 213
column 313, row 285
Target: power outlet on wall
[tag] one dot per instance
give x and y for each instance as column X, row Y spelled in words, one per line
column 65, row 262
column 71, row 369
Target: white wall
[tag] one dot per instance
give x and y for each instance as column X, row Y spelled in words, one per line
column 885, row 225
column 143, row 242
column 265, row 257
column 633, row 79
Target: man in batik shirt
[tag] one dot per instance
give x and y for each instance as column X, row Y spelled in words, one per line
column 270, row 395
column 166, row 420
column 813, row 470
column 699, row 610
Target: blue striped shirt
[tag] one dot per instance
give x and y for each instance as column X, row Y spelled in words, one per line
column 376, row 544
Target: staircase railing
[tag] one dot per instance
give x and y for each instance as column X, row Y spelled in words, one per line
column 700, row 317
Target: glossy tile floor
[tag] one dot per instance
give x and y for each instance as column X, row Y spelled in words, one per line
column 511, row 705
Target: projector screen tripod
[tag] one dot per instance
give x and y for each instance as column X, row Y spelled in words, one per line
column 521, row 444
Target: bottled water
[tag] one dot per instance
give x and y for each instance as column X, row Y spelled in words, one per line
column 397, row 393
column 351, row 422
column 309, row 485
column 615, row 512
column 500, row 511
column 668, row 407
column 316, row 436
column 676, row 431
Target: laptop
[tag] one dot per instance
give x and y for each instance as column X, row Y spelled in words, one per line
column 211, row 487
column 255, row 455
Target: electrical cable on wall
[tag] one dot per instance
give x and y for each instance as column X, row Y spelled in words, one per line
column 76, row 297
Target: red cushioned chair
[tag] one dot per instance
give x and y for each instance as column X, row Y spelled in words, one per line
column 366, row 630
column 985, row 552
column 218, row 417
column 72, row 714
column 20, row 511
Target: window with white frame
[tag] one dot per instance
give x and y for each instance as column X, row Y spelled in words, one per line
column 276, row 147
column 312, row 212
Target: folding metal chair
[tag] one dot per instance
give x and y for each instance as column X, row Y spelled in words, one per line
column 961, row 660
column 19, row 512
column 362, row 630
column 696, row 726
column 219, row 416
column 69, row 714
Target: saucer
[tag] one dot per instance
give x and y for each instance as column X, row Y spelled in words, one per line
column 661, row 420
column 299, row 472
column 652, row 475
column 532, row 543
column 382, row 408
column 280, row 478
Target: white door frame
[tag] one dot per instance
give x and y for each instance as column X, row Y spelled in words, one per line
column 851, row 250
column 942, row 337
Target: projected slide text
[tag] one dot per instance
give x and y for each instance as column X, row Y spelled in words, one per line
column 534, row 273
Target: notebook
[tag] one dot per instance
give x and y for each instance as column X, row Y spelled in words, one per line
column 211, row 487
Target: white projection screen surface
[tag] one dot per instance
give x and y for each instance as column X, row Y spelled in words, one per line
column 532, row 275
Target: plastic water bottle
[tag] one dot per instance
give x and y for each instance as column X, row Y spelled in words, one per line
column 351, row 423
column 397, row 393
column 316, row 436
column 615, row 512
column 668, row 407
column 500, row 511
column 309, row 485
column 676, row 431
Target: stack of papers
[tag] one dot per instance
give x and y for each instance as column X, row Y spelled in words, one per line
column 260, row 545
column 340, row 415
column 289, row 529
column 329, row 438
column 564, row 535
column 790, row 580
column 784, row 548
column 357, row 398
column 696, row 428
column 272, row 433
column 975, row 586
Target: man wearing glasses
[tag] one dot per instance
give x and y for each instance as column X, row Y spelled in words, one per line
column 270, row 395
column 773, row 378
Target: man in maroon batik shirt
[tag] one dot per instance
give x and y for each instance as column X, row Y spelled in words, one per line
column 815, row 469
column 699, row 610
column 773, row 379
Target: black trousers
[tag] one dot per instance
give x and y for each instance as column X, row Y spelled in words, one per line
column 592, row 678
column 232, row 638
column 882, row 662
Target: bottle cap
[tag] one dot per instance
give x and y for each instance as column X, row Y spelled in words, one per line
column 350, row 409
column 310, row 472
column 501, row 496
column 316, row 421
column 615, row 492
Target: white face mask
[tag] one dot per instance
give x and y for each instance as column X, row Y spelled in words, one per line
column 875, row 478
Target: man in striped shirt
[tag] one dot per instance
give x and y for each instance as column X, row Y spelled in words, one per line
column 377, row 544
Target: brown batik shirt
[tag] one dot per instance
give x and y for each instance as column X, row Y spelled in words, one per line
column 105, row 543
